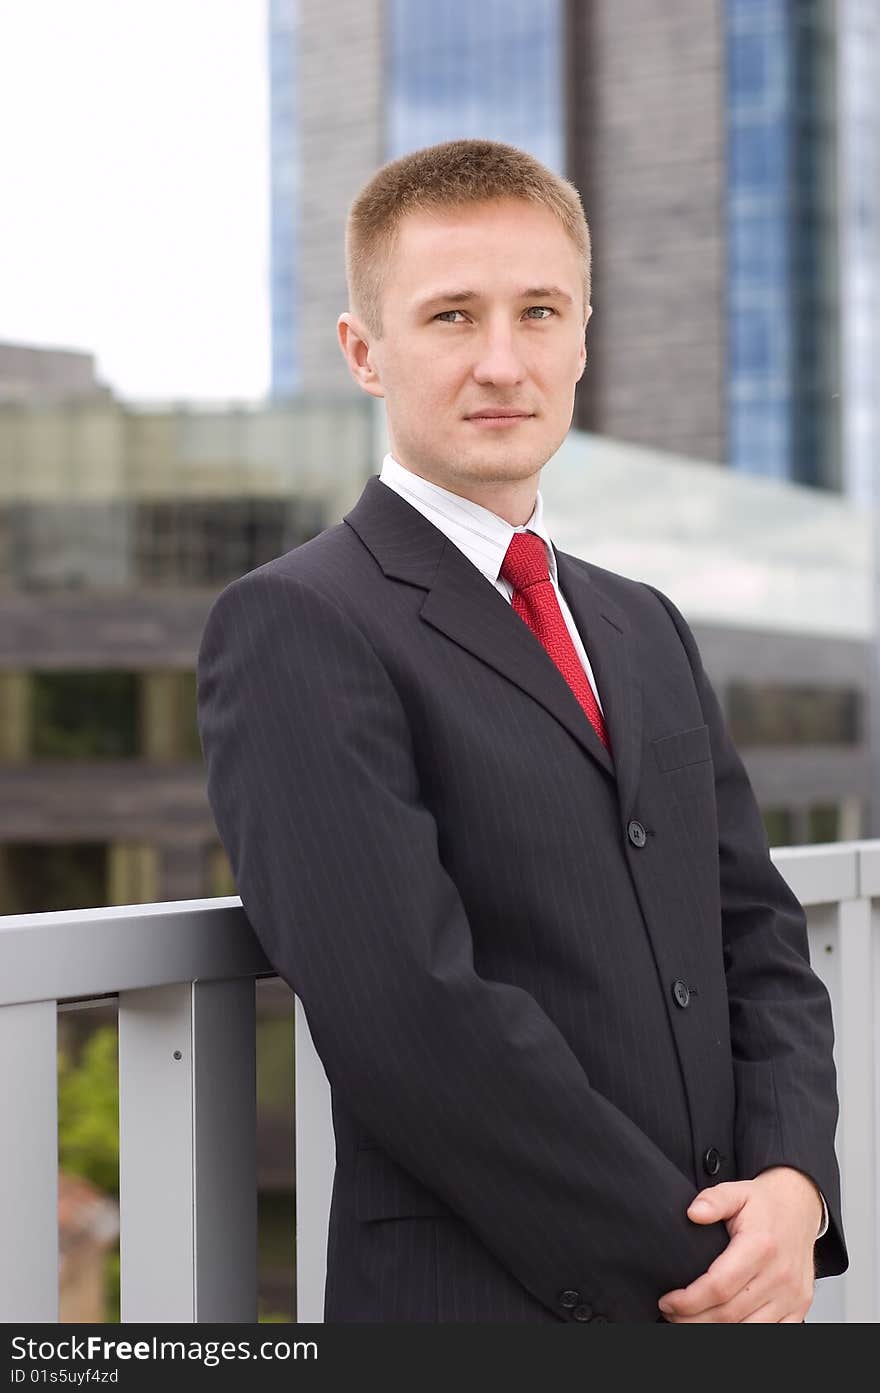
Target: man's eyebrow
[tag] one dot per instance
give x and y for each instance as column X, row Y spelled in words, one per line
column 460, row 297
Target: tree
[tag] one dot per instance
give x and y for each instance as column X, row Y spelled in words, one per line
column 88, row 1111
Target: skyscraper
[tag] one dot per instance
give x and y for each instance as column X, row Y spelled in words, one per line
column 709, row 140
column 783, row 299
column 285, row 190
column 859, row 205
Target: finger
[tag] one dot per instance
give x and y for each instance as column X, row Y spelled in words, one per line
column 752, row 1298
column 718, row 1202
column 740, row 1262
column 728, row 1274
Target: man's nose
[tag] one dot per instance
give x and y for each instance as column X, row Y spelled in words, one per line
column 498, row 359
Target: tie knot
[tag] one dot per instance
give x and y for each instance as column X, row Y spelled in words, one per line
column 525, row 561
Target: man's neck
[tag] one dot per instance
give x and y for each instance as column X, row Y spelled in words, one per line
column 512, row 501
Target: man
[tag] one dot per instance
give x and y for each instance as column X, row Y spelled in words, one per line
column 486, row 818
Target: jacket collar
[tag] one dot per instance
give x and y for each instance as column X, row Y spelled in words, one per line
column 482, row 535
column 461, row 604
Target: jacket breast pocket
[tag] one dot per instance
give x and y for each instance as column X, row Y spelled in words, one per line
column 682, row 748
column 384, row 1190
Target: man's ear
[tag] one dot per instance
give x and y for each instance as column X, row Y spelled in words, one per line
column 583, row 352
column 353, row 341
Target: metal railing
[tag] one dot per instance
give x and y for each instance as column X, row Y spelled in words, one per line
column 183, row 975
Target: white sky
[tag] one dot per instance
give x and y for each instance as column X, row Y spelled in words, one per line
column 134, row 190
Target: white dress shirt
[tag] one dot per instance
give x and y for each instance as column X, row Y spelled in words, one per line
column 484, row 537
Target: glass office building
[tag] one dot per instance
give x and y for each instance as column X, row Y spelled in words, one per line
column 458, row 70
column 284, row 174
column 745, row 334
column 438, row 73
column 859, row 96
column 783, row 298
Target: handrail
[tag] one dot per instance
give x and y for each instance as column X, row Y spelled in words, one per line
column 183, row 973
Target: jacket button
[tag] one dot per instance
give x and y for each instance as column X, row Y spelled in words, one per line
column 583, row 1312
column 569, row 1298
column 636, row 833
column 681, row 993
column 600, row 1319
column 711, row 1161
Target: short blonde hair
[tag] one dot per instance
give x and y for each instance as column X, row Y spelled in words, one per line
column 439, row 177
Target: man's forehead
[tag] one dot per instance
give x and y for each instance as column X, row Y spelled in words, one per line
column 457, row 278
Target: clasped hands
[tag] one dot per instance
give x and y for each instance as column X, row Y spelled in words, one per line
column 766, row 1273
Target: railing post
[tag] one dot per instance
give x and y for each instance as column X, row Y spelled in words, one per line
column 29, row 1162
column 835, row 883
column 187, row 1152
column 315, row 1167
column 863, row 968
column 854, row 1028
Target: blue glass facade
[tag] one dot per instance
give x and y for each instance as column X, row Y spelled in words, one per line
column 759, row 161
column 499, row 71
column 457, row 70
column 781, row 221
column 859, row 65
column 284, row 193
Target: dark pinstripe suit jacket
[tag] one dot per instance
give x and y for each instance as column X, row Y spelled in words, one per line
column 554, row 995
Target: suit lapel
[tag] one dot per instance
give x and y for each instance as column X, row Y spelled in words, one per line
column 605, row 631
column 461, row 604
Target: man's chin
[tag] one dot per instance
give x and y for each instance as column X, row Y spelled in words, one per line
column 506, row 468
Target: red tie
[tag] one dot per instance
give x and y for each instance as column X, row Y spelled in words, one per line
column 534, row 599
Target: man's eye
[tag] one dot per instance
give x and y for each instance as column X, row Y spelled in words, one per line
column 531, row 307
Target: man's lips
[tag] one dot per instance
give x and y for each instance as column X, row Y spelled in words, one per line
column 499, row 422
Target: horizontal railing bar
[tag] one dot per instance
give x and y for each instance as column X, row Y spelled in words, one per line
column 84, row 955
column 869, row 868
column 89, row 953
column 153, row 909
column 89, row 1003
column 821, row 873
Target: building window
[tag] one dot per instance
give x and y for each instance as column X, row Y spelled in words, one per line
column 212, row 541
column 149, row 715
column 779, row 826
column 47, row 547
column 220, row 878
column 84, row 715
column 36, row 878
column 823, row 823
column 777, row 715
column 67, row 546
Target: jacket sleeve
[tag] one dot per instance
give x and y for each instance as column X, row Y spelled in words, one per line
column 781, row 1026
column 465, row 1081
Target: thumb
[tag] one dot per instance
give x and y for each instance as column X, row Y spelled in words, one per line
column 717, row 1202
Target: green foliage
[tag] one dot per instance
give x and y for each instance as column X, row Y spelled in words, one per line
column 275, row 1064
column 111, row 1284
column 88, row 1111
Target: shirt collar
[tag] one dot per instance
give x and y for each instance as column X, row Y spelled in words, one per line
column 481, row 534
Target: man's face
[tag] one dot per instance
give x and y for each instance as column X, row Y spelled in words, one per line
column 516, row 345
